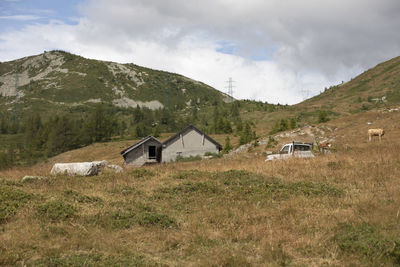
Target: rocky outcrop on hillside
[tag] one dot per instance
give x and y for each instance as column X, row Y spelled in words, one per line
column 61, row 78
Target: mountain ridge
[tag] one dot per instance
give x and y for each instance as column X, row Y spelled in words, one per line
column 58, row 77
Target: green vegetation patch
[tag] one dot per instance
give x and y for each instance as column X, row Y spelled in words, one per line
column 137, row 214
column 239, row 177
column 142, row 173
column 94, row 259
column 393, row 96
column 190, row 174
column 192, row 187
column 78, row 197
column 56, row 210
column 365, row 239
column 256, row 184
column 244, row 184
column 314, row 189
column 10, row 200
column 187, row 159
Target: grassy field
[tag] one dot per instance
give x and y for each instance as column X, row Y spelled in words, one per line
column 337, row 209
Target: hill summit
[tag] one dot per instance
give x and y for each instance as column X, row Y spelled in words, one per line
column 58, row 78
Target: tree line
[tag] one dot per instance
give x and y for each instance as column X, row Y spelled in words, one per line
column 37, row 137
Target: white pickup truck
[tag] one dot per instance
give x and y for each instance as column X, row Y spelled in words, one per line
column 294, row 149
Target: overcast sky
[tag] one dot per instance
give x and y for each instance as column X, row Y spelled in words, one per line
column 279, row 51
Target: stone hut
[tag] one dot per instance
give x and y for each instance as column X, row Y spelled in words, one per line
column 146, row 151
column 188, row 142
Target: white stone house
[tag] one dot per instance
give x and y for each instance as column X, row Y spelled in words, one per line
column 188, row 142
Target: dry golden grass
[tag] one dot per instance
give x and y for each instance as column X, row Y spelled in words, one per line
column 338, row 209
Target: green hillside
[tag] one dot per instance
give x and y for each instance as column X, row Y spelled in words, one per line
column 64, row 101
column 63, row 82
column 376, row 87
column 56, row 101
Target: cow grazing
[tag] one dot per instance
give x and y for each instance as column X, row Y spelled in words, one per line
column 324, row 147
column 375, row 132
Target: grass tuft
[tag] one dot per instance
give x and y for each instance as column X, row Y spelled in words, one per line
column 56, row 210
column 365, row 239
column 94, row 259
column 133, row 214
column 10, row 200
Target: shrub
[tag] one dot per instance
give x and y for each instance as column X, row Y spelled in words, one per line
column 323, row 116
column 228, row 147
column 271, row 142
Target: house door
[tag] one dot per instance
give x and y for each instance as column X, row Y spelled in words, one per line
column 152, row 152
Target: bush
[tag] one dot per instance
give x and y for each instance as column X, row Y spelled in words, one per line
column 271, row 142
column 228, row 147
column 323, row 116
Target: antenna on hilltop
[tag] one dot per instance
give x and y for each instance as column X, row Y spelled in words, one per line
column 230, row 86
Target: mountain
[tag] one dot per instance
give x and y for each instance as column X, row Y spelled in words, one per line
column 61, row 81
column 376, row 87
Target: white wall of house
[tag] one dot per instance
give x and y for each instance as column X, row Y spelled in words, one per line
column 140, row 155
column 190, row 143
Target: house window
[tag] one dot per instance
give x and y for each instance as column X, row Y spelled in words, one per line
column 152, row 152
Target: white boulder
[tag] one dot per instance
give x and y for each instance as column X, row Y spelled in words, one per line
column 77, row 168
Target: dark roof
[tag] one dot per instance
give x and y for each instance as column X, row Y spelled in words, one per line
column 191, row 127
column 144, row 140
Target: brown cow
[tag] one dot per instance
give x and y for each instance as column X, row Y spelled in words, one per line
column 375, row 132
column 324, row 147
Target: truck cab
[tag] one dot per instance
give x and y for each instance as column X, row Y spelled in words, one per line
column 294, row 149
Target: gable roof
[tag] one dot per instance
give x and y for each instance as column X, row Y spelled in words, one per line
column 144, row 140
column 190, row 127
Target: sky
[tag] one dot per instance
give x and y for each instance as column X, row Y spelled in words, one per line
column 276, row 51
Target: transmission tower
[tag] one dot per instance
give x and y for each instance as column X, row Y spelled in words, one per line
column 230, row 86
column 305, row 93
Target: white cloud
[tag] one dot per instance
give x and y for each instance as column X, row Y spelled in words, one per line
column 279, row 47
column 21, row 17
